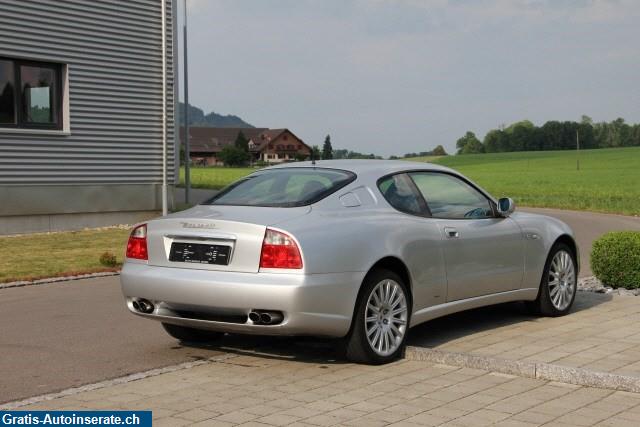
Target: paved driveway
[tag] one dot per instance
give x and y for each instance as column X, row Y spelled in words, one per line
column 601, row 334
column 270, row 391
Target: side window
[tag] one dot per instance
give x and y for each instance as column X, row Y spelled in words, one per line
column 398, row 191
column 450, row 197
column 30, row 94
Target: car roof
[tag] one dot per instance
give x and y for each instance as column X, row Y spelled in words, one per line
column 366, row 167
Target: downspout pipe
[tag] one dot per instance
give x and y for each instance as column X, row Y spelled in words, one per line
column 165, row 210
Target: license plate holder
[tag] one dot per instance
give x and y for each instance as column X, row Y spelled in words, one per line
column 200, row 253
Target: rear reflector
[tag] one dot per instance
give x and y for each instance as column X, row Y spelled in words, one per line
column 279, row 250
column 137, row 244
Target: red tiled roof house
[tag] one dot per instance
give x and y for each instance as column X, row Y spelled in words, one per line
column 267, row 145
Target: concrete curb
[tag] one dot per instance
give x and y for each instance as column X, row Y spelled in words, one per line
column 56, row 279
column 108, row 383
column 538, row 370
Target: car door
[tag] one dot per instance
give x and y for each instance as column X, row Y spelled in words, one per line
column 418, row 239
column 484, row 253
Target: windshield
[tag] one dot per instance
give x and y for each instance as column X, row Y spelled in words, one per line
column 286, row 187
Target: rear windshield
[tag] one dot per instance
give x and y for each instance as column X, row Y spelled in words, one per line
column 286, row 187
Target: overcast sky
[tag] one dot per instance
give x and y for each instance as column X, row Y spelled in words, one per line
column 400, row 76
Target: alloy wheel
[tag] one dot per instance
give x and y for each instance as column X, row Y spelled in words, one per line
column 386, row 317
column 562, row 280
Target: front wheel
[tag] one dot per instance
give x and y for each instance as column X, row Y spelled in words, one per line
column 559, row 283
column 185, row 334
column 381, row 319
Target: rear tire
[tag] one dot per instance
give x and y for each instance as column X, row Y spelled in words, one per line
column 185, row 334
column 381, row 319
column 559, row 283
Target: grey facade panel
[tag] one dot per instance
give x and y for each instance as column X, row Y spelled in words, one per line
column 113, row 54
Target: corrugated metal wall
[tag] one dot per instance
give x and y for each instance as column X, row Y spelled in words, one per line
column 113, row 52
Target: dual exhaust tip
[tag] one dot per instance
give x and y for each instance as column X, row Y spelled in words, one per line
column 258, row 317
column 265, row 317
column 143, row 306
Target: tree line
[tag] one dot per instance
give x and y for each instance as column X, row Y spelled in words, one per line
column 553, row 135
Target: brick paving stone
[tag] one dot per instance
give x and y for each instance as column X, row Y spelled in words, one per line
column 259, row 391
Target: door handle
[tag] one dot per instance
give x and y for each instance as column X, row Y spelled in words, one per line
column 451, row 232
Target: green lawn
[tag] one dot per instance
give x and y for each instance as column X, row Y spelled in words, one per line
column 423, row 159
column 608, row 179
column 37, row 256
column 214, row 177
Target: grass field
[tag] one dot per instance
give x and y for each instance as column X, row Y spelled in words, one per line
column 608, row 179
column 37, row 256
column 214, row 177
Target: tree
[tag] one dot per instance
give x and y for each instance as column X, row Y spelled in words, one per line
column 242, row 142
column 469, row 144
column 340, row 154
column 439, row 151
column 233, row 156
column 315, row 153
column 327, row 150
column 520, row 136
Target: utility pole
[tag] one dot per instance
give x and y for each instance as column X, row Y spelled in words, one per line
column 577, row 150
column 187, row 151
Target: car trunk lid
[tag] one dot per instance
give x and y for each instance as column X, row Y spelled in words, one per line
column 217, row 238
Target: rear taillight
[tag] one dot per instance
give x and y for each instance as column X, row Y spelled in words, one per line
column 279, row 250
column 137, row 244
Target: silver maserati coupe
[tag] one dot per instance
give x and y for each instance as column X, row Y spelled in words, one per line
column 359, row 249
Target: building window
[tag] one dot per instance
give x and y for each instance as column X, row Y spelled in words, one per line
column 30, row 94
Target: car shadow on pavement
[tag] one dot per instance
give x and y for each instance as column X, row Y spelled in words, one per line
column 430, row 334
column 298, row 349
column 448, row 328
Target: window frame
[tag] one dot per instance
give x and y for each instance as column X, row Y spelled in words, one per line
column 427, row 212
column 56, row 97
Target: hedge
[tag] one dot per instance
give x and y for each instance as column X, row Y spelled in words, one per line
column 615, row 259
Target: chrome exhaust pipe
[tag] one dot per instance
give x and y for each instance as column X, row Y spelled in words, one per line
column 265, row 318
column 145, row 306
column 254, row 317
column 135, row 305
column 271, row 317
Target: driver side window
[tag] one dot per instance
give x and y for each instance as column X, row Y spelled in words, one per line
column 451, row 198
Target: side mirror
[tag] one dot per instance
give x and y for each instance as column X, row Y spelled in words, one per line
column 506, row 206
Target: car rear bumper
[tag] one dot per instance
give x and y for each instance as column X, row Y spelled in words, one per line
column 312, row 304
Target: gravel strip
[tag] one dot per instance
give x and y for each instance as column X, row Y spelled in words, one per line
column 592, row 284
column 56, row 279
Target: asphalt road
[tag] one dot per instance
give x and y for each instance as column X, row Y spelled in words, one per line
column 62, row 335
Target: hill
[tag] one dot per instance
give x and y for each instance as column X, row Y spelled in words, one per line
column 197, row 117
column 606, row 182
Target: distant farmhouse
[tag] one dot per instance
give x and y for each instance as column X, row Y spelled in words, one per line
column 267, row 145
